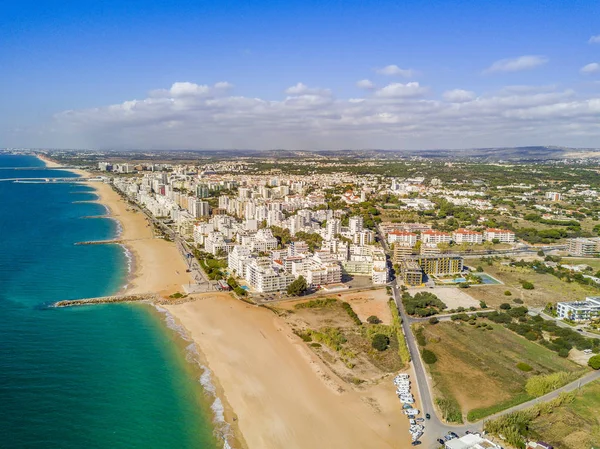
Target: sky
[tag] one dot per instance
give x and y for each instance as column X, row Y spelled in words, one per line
column 299, row 75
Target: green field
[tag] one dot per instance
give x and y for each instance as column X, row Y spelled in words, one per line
column 574, row 425
column 476, row 372
column 547, row 288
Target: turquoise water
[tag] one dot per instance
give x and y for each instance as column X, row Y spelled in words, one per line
column 109, row 376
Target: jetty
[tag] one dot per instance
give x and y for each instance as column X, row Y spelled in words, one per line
column 101, row 242
column 107, row 300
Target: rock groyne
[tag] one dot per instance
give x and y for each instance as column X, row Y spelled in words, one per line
column 107, row 300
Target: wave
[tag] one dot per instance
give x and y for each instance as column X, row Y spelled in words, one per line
column 222, row 428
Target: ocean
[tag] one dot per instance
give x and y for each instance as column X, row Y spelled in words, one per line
column 105, row 376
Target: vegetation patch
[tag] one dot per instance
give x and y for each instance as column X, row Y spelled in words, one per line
column 317, row 303
column 351, row 313
column 542, row 384
column 422, row 304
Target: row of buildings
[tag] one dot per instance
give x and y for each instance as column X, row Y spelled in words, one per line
column 432, row 238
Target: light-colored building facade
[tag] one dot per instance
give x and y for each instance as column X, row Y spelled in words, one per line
column 579, row 310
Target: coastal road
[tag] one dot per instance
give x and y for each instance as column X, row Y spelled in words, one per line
column 434, row 427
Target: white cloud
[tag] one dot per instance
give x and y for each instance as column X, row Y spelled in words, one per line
column 593, row 67
column 399, row 90
column 517, row 64
column 394, row 70
column 303, row 89
column 365, row 84
column 458, row 95
column 594, row 39
column 189, row 115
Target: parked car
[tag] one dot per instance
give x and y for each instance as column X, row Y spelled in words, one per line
column 416, row 443
column 440, row 441
column 453, row 434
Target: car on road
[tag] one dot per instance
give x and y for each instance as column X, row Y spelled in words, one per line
column 427, row 415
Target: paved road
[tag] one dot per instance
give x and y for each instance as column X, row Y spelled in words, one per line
column 435, row 427
column 562, row 324
column 590, row 377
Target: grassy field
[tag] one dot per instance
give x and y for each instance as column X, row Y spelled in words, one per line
column 575, row 425
column 346, row 346
column 594, row 263
column 547, row 288
column 476, row 369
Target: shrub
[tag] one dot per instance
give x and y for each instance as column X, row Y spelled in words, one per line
column 380, row 342
column 563, row 352
column 507, row 293
column 433, row 320
column 429, row 357
column 373, row 320
column 518, row 301
column 420, row 336
column 527, row 285
column 479, row 269
column 505, row 306
column 351, row 313
column 545, row 383
column 524, row 367
column 482, row 304
column 594, row 362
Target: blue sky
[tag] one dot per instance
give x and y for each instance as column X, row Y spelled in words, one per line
column 64, row 63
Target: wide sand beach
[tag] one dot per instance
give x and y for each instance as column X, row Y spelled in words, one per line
column 275, row 391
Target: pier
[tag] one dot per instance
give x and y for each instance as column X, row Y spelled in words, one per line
column 101, row 242
column 107, row 300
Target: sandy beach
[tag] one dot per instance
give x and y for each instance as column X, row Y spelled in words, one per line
column 281, row 392
column 276, row 392
column 157, row 265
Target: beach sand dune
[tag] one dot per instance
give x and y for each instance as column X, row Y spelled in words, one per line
column 283, row 395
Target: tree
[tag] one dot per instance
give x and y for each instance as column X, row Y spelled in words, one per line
column 527, row 285
column 373, row 320
column 479, row 269
column 507, row 293
column 540, row 253
column 594, row 362
column 433, row 320
column 505, row 306
column 429, row 357
column 380, row 342
column 298, row 287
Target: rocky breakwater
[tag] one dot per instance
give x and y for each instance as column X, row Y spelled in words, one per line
column 108, row 300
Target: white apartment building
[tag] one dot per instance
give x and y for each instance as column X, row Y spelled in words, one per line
column 238, row 259
column 553, row 196
column 407, row 237
column 432, row 238
column 317, row 273
column 503, row 235
column 334, row 227
column 467, row 236
column 355, row 224
column 584, row 247
column 263, row 240
column 215, row 242
column 264, row 278
column 579, row 310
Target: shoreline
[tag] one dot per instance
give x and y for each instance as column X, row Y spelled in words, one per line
column 270, row 388
column 281, row 392
column 156, row 265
